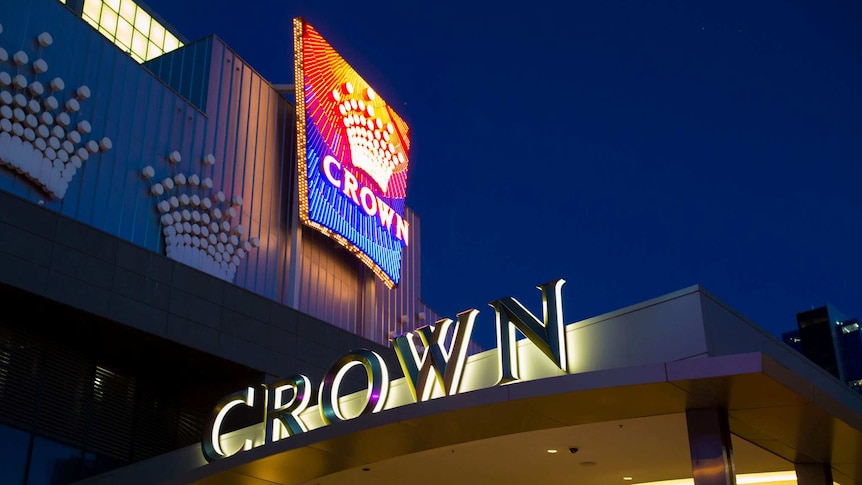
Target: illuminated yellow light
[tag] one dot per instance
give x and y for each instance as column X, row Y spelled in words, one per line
column 91, row 21
column 680, row 481
column 171, row 42
column 127, row 10
column 142, row 21
column 92, row 8
column 157, row 34
column 108, row 21
column 627, row 478
column 139, row 44
column 124, row 33
column 153, row 51
column 130, row 27
column 766, row 477
column 92, row 11
column 743, row 479
column 552, row 451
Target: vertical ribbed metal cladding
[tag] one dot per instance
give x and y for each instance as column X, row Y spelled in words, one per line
column 288, row 195
column 398, row 309
column 331, row 285
column 186, row 70
column 246, row 133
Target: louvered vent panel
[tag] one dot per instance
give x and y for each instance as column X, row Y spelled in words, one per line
column 155, row 424
column 190, row 428
column 112, row 415
column 19, row 378
column 67, row 383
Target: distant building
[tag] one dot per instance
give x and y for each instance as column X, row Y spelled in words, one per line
column 831, row 340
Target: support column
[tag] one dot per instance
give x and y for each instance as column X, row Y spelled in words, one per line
column 709, row 443
column 813, row 473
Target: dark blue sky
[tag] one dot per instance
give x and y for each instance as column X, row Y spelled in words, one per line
column 633, row 148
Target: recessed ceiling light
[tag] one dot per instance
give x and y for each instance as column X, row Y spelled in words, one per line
column 552, row 451
column 627, row 478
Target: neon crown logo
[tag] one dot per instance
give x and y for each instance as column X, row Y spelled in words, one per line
column 41, row 135
column 200, row 228
column 368, row 136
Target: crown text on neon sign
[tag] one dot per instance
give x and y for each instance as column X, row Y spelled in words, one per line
column 364, row 197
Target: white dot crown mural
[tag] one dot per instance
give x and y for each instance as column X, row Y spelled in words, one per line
column 41, row 132
column 201, row 228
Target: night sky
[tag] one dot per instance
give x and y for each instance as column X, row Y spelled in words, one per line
column 633, row 148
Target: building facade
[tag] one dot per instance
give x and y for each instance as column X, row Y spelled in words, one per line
column 164, row 270
column 201, row 112
column 831, row 340
column 110, row 123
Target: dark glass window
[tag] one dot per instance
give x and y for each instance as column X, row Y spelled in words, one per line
column 53, row 463
column 13, row 454
column 95, row 464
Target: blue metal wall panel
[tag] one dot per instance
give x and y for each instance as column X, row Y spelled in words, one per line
column 186, row 70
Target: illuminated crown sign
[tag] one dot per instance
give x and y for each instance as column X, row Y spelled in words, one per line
column 200, row 227
column 40, row 132
column 352, row 157
column 368, row 136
